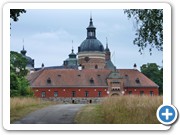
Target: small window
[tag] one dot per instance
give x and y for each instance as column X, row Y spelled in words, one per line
column 86, row 93
column 91, row 81
column 130, row 92
column 99, row 93
column 96, row 66
column 49, row 80
column 141, row 93
column 151, row 93
column 55, row 93
column 137, row 80
column 43, row 94
column 73, row 93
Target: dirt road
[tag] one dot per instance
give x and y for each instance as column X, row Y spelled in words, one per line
column 56, row 114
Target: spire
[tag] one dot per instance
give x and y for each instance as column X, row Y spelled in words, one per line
column 72, row 54
column 91, row 22
column 107, row 48
column 23, row 51
column 91, row 30
column 72, row 47
column 72, row 50
column 106, row 42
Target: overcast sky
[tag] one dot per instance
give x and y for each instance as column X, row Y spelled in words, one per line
column 48, row 36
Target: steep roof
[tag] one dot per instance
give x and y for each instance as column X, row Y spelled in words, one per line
column 134, row 78
column 86, row 78
column 71, row 77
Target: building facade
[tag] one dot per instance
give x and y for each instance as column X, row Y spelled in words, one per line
column 89, row 75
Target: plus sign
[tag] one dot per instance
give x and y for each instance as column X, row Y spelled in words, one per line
column 167, row 114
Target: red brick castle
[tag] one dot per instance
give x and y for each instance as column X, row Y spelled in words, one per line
column 89, row 75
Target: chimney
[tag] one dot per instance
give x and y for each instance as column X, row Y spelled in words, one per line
column 42, row 65
column 135, row 66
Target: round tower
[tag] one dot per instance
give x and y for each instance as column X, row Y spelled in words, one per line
column 91, row 53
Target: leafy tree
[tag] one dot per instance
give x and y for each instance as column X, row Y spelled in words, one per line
column 15, row 13
column 155, row 73
column 18, row 64
column 14, row 85
column 149, row 32
column 19, row 85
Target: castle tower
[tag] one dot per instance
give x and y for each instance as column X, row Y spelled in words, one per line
column 91, row 53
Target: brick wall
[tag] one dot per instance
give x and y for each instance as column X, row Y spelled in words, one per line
column 68, row 92
column 92, row 63
column 92, row 92
column 143, row 91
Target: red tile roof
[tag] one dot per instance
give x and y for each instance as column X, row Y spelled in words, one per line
column 86, row 78
column 131, row 75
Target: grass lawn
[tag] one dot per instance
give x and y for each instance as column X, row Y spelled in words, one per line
column 121, row 110
column 90, row 114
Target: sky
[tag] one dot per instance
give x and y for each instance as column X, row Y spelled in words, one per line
column 47, row 36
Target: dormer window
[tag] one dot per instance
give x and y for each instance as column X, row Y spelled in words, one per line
column 137, row 80
column 91, row 81
column 49, row 80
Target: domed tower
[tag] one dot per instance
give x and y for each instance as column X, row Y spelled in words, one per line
column 30, row 61
column 91, row 53
column 71, row 62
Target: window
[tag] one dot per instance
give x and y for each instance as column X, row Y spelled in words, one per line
column 73, row 93
column 130, row 92
column 86, row 93
column 151, row 93
column 91, row 81
column 43, row 94
column 96, row 66
column 55, row 93
column 137, row 80
column 49, row 80
column 141, row 93
column 99, row 93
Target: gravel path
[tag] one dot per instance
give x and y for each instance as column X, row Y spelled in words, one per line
column 56, row 114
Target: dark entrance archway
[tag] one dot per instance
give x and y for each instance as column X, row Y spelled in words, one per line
column 114, row 94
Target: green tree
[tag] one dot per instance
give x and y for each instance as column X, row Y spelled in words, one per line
column 14, row 85
column 18, row 64
column 15, row 13
column 155, row 73
column 19, row 85
column 149, row 32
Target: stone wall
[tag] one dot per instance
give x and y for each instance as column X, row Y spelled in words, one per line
column 74, row 100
